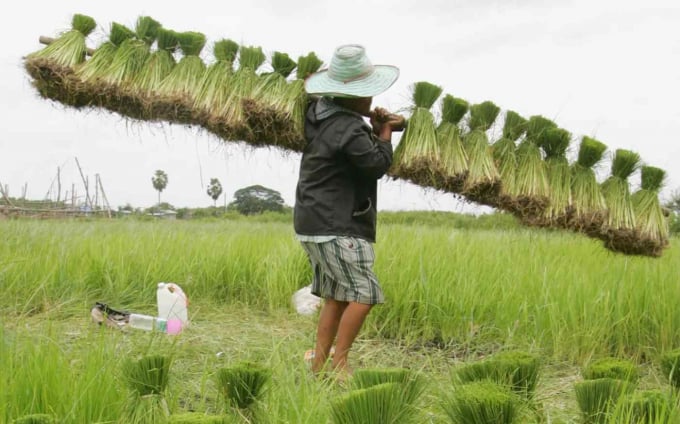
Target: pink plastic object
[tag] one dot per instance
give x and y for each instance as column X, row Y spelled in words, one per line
column 174, row 326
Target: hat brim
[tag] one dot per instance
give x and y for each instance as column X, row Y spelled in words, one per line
column 379, row 81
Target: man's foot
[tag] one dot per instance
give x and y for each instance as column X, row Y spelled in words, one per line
column 309, row 354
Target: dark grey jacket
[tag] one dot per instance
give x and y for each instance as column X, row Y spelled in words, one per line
column 337, row 188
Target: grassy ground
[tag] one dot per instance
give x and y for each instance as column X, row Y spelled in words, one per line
column 455, row 296
column 54, row 350
column 74, row 367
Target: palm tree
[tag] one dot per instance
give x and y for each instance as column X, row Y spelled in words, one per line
column 159, row 181
column 214, row 190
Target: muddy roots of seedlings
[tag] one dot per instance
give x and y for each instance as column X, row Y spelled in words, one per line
column 420, row 172
column 56, row 82
column 590, row 224
column 485, row 193
column 450, row 183
column 225, row 130
column 526, row 208
column 271, row 127
column 631, row 242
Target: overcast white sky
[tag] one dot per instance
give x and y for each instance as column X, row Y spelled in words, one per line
column 609, row 69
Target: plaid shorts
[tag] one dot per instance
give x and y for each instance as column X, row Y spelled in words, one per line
column 343, row 270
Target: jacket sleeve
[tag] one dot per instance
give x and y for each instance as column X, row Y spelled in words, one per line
column 372, row 157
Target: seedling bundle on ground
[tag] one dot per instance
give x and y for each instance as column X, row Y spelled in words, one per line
column 525, row 172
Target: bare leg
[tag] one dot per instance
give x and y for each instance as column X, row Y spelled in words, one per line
column 329, row 320
column 350, row 324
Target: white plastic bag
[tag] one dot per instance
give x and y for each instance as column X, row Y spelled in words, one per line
column 305, row 302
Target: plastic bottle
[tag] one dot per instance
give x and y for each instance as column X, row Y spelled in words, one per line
column 149, row 323
column 172, row 303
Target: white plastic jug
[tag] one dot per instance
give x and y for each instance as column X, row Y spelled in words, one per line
column 172, row 303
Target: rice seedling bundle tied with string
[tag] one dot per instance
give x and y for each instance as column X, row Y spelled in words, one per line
column 620, row 369
column 381, row 403
column 531, row 178
column 267, row 110
column 156, row 69
column 482, row 402
column 177, row 92
column 646, row 407
column 52, row 67
column 295, row 99
column 516, row 370
column 215, row 84
column 128, row 62
column 555, row 142
column 92, row 72
column 504, row 154
column 587, row 207
column 620, row 229
column 147, row 380
column 451, row 169
column 650, row 221
column 482, row 181
column 418, row 151
column 412, row 386
column 597, row 398
column 228, row 120
column 243, row 384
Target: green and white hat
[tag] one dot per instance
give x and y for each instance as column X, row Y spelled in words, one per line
column 351, row 74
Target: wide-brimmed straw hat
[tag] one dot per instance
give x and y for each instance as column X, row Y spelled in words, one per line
column 351, row 74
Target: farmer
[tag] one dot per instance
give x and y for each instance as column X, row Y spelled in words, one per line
column 335, row 201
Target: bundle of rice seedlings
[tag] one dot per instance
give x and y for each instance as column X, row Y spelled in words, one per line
column 69, row 48
column 52, row 67
column 518, row 371
column 147, row 380
column 452, row 166
column 505, row 157
column 243, row 384
column 482, row 402
column 157, row 67
column 36, row 419
column 620, row 233
column 531, row 177
column 418, row 152
column 597, row 398
column 588, row 206
column 297, row 99
column 228, row 120
column 288, row 107
column 216, row 82
column 91, row 88
column 268, row 109
column 482, row 181
column 176, row 93
column 554, row 143
column 649, row 217
column 101, row 59
column 128, row 62
column 132, row 54
column 620, row 369
column 376, row 404
column 411, row 384
column 670, row 367
column 482, row 116
column 645, row 407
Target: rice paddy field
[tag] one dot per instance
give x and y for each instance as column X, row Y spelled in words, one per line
column 454, row 296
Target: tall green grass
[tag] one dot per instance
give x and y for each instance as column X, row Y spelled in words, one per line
column 478, row 290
